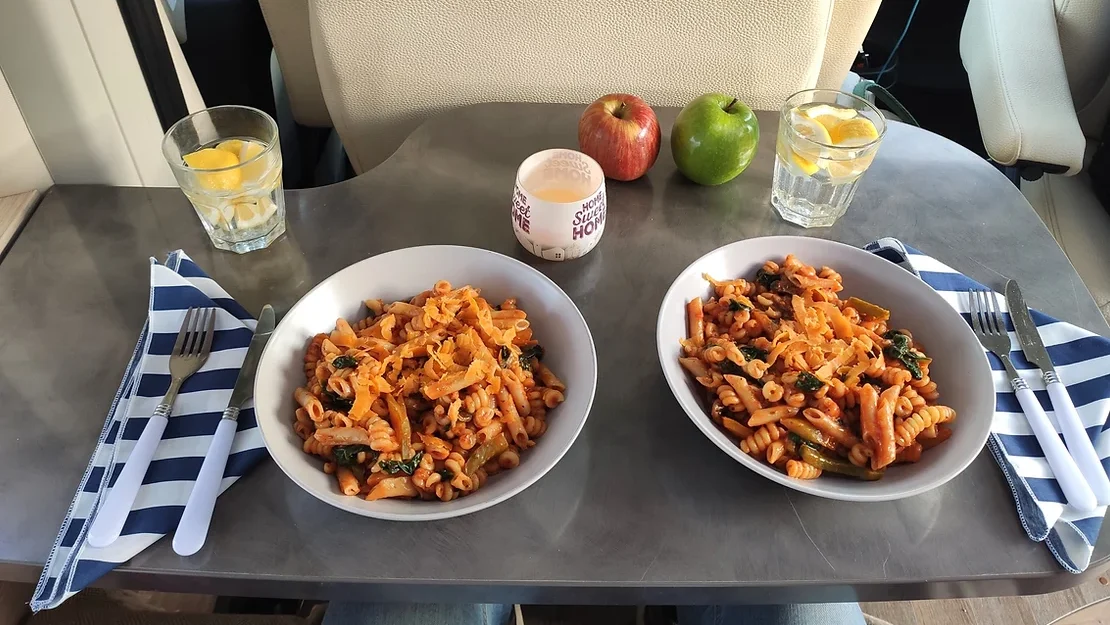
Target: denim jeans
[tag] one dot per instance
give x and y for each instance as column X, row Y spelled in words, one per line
column 790, row 614
column 340, row 613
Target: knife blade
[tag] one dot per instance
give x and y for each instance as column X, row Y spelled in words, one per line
column 1079, row 444
column 1028, row 336
column 244, row 384
column 193, row 528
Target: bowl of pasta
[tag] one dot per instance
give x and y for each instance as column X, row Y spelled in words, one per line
column 825, row 368
column 425, row 383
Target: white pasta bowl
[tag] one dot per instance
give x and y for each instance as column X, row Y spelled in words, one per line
column 399, row 275
column 959, row 365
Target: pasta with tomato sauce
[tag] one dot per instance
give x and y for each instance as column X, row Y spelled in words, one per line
column 807, row 381
column 425, row 398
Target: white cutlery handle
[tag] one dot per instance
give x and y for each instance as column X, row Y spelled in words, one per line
column 193, row 529
column 1075, row 488
column 1079, row 444
column 108, row 524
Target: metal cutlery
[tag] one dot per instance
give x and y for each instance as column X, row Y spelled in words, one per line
column 190, row 352
column 1079, row 444
column 990, row 329
column 193, row 528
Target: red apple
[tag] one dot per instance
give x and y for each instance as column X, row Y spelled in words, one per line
column 620, row 132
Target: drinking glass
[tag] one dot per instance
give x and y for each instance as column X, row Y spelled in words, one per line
column 227, row 160
column 826, row 141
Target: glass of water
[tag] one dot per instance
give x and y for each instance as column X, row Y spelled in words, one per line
column 826, row 140
column 227, row 160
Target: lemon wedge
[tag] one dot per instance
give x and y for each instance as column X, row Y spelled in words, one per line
column 811, row 130
column 245, row 150
column 252, row 212
column 850, row 168
column 211, row 158
column 256, row 171
column 235, row 146
column 854, row 132
column 807, row 166
column 830, row 122
column 821, row 110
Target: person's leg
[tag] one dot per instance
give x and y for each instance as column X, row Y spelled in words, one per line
column 350, row 613
column 792, row 614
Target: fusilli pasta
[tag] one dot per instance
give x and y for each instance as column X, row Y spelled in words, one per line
column 810, row 382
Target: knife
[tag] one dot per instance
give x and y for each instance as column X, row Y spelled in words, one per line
column 1079, row 444
column 193, row 528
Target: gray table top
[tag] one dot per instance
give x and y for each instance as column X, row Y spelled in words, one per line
column 642, row 508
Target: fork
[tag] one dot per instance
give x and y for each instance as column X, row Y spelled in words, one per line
column 190, row 352
column 990, row 329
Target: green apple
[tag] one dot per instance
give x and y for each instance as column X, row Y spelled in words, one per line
column 714, row 138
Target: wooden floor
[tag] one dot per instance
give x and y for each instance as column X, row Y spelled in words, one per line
column 1034, row 610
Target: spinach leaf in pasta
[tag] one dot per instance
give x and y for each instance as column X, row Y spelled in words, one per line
column 736, row 305
column 897, row 339
column 901, row 349
column 503, row 356
column 808, row 382
column 766, row 278
column 751, row 352
column 347, row 455
column 911, row 365
column 406, row 467
column 731, row 368
column 344, row 362
column 332, row 401
column 528, row 353
column 446, row 474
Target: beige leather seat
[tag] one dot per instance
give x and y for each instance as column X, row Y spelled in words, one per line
column 287, row 21
column 1039, row 74
column 386, row 65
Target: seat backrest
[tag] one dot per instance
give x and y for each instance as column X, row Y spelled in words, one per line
column 287, row 21
column 386, row 65
column 1084, row 27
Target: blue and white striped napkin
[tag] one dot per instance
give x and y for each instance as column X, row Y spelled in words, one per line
column 174, row 287
column 1082, row 360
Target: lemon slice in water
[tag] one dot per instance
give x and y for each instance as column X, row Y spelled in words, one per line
column 854, row 132
column 811, row 130
column 211, row 158
column 252, row 212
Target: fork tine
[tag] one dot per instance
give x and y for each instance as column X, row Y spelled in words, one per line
column 209, row 330
column 996, row 313
column 991, row 314
column 973, row 306
column 202, row 325
column 984, row 312
column 181, row 334
column 194, row 326
column 988, row 314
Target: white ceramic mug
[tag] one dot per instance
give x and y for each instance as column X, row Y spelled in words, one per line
column 558, row 210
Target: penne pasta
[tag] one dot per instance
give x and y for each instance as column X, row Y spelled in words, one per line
column 516, row 391
column 348, row 483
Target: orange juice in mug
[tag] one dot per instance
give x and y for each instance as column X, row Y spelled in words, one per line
column 559, row 207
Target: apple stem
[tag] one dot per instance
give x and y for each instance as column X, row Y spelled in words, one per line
column 730, row 104
column 620, row 110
